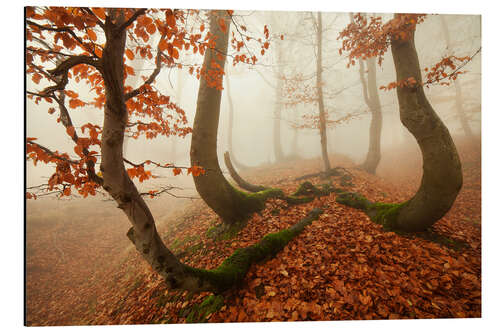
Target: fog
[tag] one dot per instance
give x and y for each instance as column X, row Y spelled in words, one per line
column 258, row 97
column 253, row 95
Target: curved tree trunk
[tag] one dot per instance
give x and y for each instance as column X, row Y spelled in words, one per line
column 230, row 127
column 115, row 178
column 237, row 178
column 321, row 103
column 442, row 171
column 371, row 97
column 231, row 205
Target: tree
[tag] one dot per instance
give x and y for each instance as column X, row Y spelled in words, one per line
column 319, row 82
column 233, row 206
column 372, row 100
column 458, row 88
column 442, row 172
column 101, row 63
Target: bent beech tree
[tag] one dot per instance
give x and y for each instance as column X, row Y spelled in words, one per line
column 442, row 172
column 231, row 205
column 102, row 64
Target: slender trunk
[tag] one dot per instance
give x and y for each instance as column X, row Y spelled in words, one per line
column 458, row 89
column 231, row 205
column 372, row 100
column 442, row 171
column 321, row 105
column 278, row 151
column 230, row 126
column 231, row 118
column 115, row 178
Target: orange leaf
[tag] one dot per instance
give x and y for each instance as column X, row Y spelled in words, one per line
column 36, row 78
column 92, row 35
column 177, row 171
column 129, row 54
column 100, row 13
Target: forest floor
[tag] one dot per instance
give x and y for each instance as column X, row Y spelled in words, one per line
column 82, row 270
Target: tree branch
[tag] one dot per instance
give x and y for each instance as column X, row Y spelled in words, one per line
column 134, row 16
column 151, row 78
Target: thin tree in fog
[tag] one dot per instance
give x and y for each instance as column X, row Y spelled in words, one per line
column 459, row 103
column 318, row 24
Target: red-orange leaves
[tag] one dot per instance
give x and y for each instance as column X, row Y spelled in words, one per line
column 129, row 54
column 176, row 171
column 100, row 13
column 36, row 77
column 409, row 82
column 365, row 39
column 139, row 173
column 196, row 170
column 75, row 103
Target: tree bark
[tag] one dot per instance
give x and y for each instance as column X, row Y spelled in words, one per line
column 321, row 105
column 372, row 100
column 442, row 171
column 458, row 89
column 116, row 181
column 231, row 205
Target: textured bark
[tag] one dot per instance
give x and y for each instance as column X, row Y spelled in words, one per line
column 458, row 89
column 442, row 171
column 372, row 100
column 115, row 178
column 321, row 103
column 232, row 206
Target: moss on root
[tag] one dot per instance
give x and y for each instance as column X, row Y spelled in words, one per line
column 233, row 270
column 198, row 313
column 385, row 214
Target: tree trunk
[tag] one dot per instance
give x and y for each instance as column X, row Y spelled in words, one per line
column 370, row 94
column 442, row 171
column 458, row 89
column 115, row 178
column 278, row 151
column 231, row 205
column 321, row 105
column 230, row 127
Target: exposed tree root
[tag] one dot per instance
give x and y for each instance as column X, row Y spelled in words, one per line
column 386, row 214
column 233, row 270
column 237, row 178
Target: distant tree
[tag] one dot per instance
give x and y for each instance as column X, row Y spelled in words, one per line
column 442, row 172
column 459, row 103
column 372, row 100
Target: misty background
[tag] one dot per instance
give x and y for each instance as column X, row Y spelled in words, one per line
column 254, row 94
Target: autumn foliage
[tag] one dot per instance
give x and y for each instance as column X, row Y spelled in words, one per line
column 370, row 37
column 73, row 39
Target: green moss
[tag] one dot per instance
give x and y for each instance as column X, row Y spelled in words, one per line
column 198, row 313
column 353, row 199
column 232, row 270
column 385, row 214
